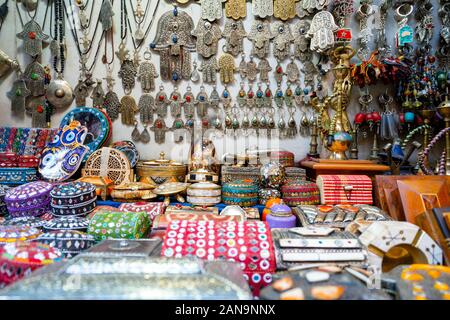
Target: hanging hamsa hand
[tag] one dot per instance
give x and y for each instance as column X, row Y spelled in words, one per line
column 147, row 73
column 208, row 35
column 301, row 41
column 260, row 36
column 234, row 34
column 226, row 68
column 322, row 31
column 282, row 40
column 32, row 37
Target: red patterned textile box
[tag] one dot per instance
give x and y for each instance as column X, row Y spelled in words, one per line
column 345, row 189
column 247, row 243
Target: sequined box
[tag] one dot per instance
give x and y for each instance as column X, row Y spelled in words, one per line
column 3, row 207
column 31, row 199
column 119, row 225
column 243, row 193
column 19, row 259
column 69, row 242
column 233, row 173
column 17, row 176
column 73, row 199
column 300, row 192
column 153, row 209
column 285, row 158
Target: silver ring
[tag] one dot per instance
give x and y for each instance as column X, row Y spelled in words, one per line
column 403, row 11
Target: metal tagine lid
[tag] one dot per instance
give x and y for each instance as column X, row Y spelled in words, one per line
column 162, row 161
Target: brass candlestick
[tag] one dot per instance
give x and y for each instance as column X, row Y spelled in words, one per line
column 444, row 111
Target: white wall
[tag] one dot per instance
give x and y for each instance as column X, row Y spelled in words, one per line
column 300, row 145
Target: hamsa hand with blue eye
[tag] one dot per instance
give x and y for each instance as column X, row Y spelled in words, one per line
column 63, row 156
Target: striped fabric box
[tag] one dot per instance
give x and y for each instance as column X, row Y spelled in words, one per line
column 345, row 189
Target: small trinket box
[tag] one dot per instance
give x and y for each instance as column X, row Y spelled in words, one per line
column 345, row 189
column 3, row 207
column 69, row 242
column 73, row 199
column 233, row 173
column 243, row 193
column 294, row 174
column 285, row 158
column 17, row 176
column 153, row 209
column 31, row 199
column 204, row 194
column 19, row 259
column 266, row 194
column 119, row 225
column 34, row 222
column 67, row 223
column 300, row 193
column 281, row 217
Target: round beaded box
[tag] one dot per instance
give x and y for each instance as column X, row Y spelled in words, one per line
column 243, row 193
column 73, row 199
column 281, row 217
column 300, row 193
column 204, row 194
column 21, row 258
column 285, row 158
column 31, row 199
column 67, row 223
column 35, row 222
column 69, row 242
column 267, row 194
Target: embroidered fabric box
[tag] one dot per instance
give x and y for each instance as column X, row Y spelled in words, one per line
column 31, row 199
column 285, row 158
column 67, row 223
column 345, row 189
column 233, row 173
column 126, row 248
column 17, row 176
column 35, row 222
column 119, row 225
column 339, row 247
column 204, row 194
column 300, row 192
column 248, row 243
column 8, row 159
column 153, row 209
column 69, row 242
column 3, row 207
column 339, row 216
column 73, row 199
column 19, row 259
column 243, row 193
column 294, row 174
column 17, row 233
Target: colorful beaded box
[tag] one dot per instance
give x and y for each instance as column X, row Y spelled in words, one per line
column 243, row 193
column 31, row 199
column 233, row 173
column 21, row 258
column 300, row 192
column 69, row 242
column 285, row 158
column 67, row 223
column 119, row 225
column 73, row 199
column 153, row 209
column 35, row 222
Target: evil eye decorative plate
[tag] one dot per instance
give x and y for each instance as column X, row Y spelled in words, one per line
column 97, row 123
